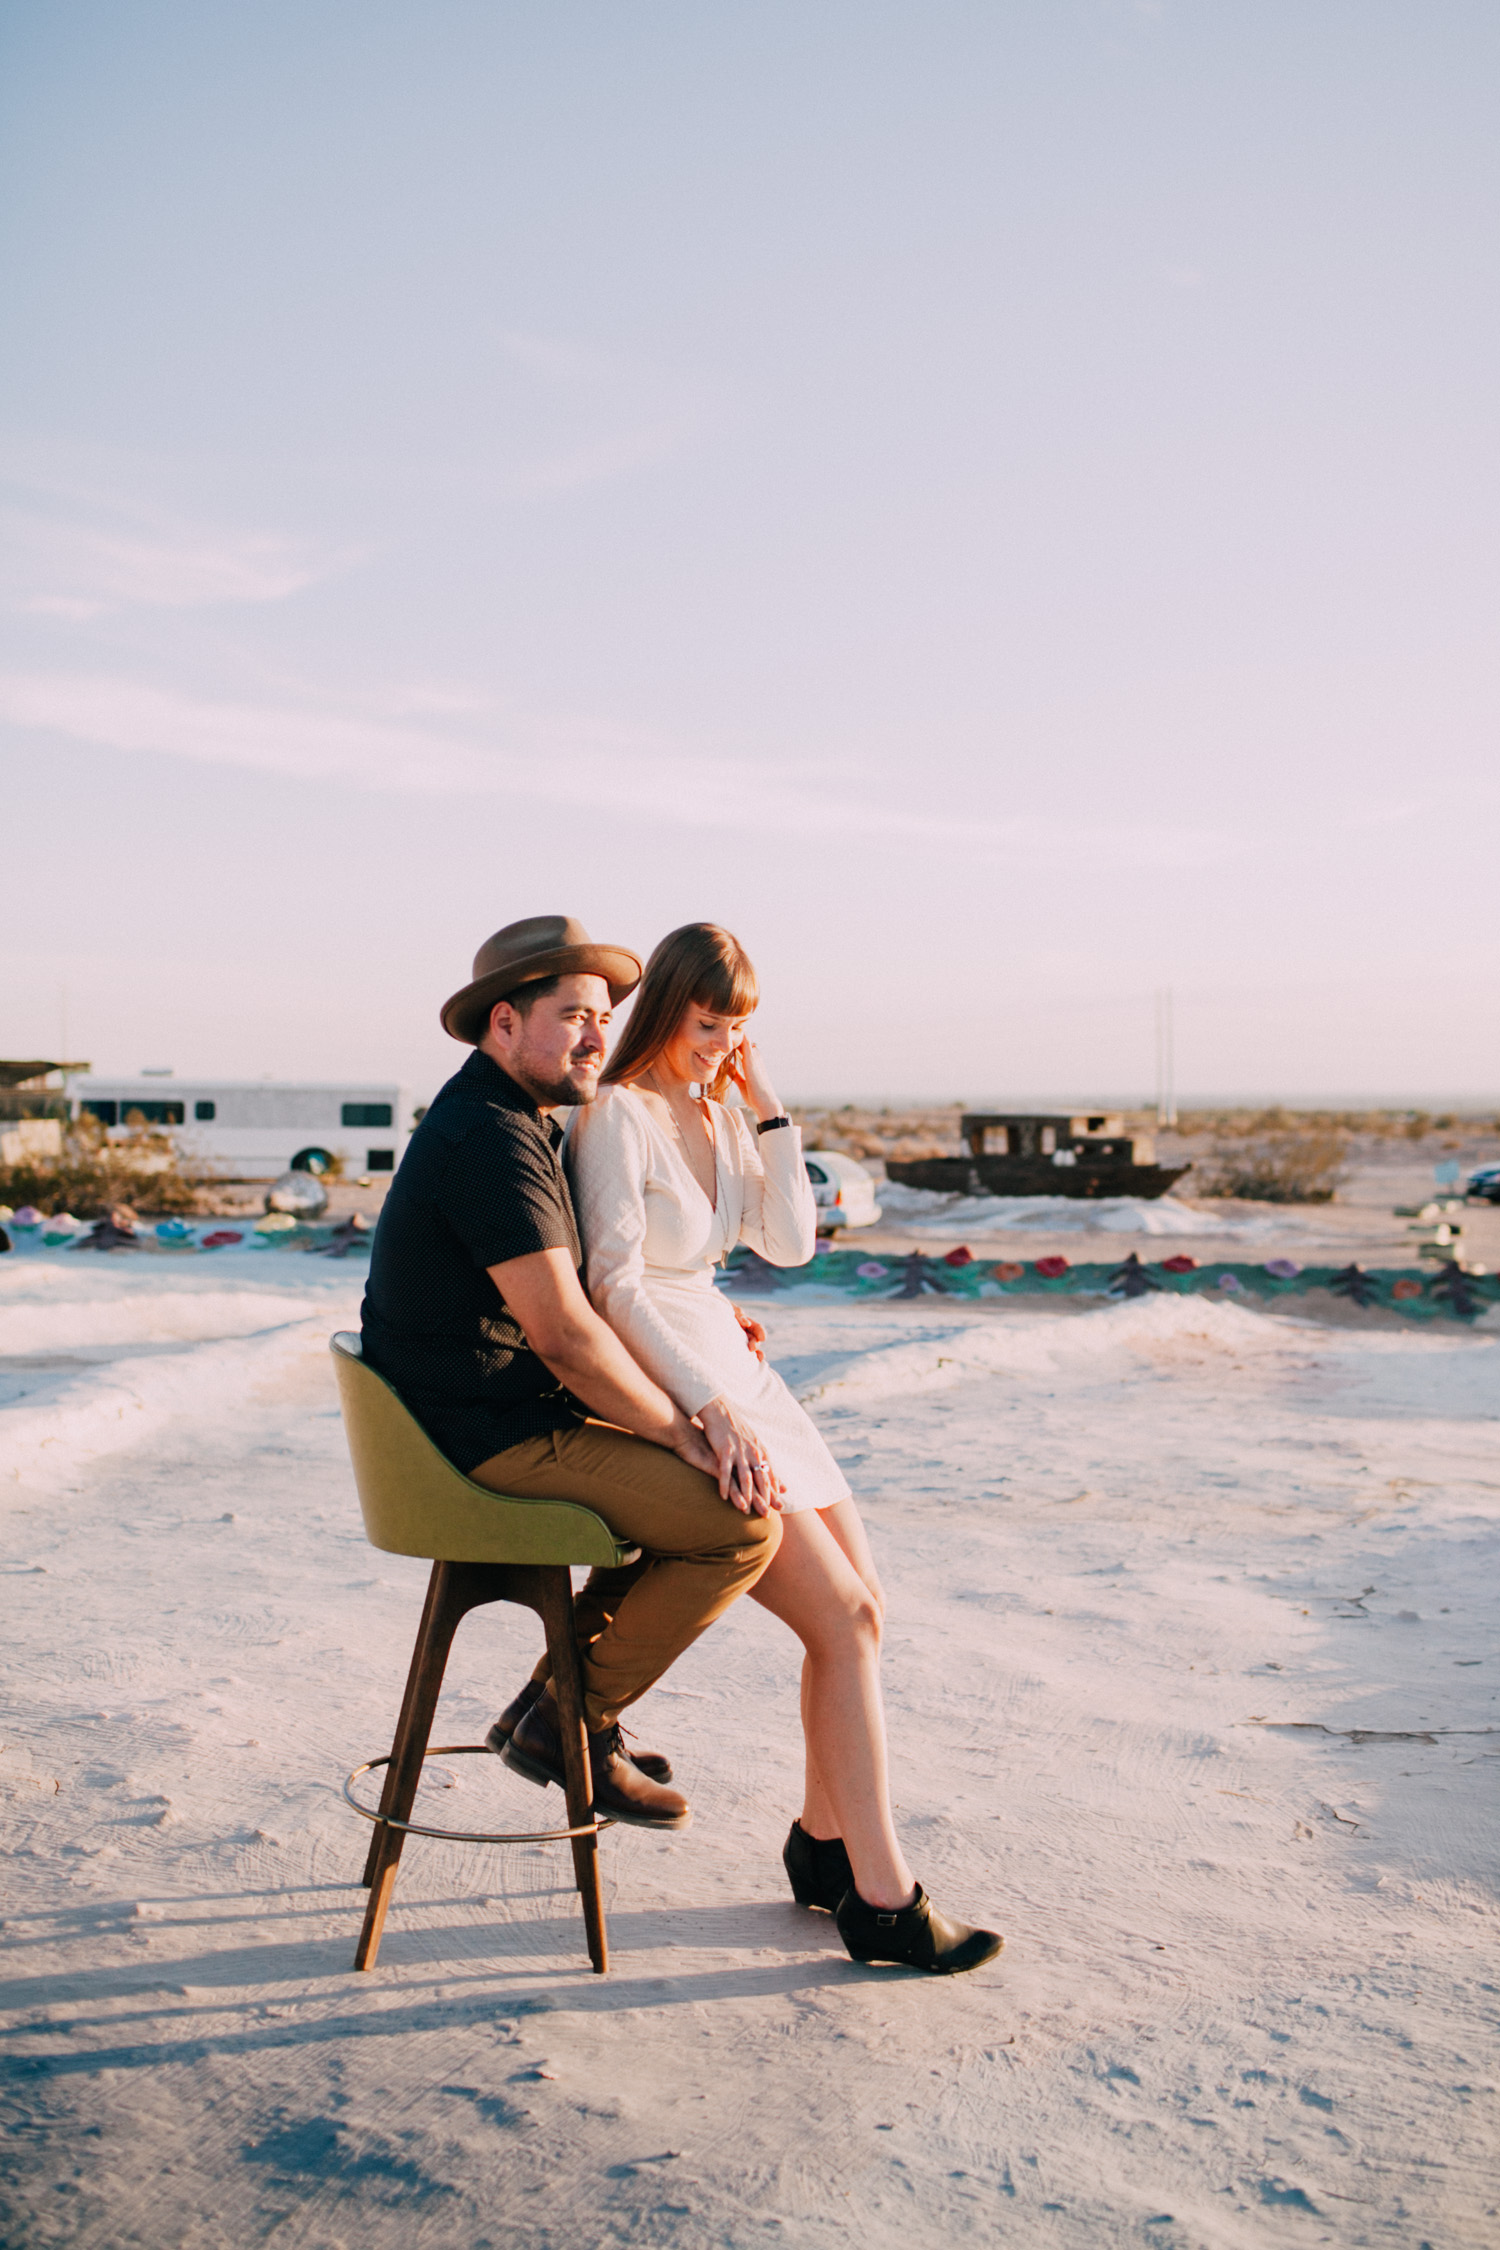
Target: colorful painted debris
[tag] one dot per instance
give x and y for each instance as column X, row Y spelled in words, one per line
column 1456, row 1292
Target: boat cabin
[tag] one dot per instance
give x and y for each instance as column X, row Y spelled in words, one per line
column 1097, row 1138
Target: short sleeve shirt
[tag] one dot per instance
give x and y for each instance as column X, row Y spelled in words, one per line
column 480, row 1183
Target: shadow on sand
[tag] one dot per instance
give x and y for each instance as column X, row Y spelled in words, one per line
column 806, row 1947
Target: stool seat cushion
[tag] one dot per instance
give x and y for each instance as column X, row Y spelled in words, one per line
column 415, row 1502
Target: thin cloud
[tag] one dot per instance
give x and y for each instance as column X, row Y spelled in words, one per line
column 563, row 761
column 66, row 559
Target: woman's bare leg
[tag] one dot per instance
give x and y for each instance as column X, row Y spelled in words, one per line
column 817, row 1816
column 815, row 1587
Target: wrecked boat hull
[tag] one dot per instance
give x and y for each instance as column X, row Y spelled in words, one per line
column 1008, row 1175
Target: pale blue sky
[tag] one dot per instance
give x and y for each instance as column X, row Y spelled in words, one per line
column 995, row 502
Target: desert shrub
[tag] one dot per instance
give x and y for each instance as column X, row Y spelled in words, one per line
column 1247, row 1124
column 95, row 1172
column 1282, row 1168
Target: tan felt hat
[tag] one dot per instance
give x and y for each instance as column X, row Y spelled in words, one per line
column 545, row 945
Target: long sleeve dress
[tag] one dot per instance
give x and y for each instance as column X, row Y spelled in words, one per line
column 651, row 1241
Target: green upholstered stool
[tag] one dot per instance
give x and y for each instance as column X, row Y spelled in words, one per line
column 484, row 1547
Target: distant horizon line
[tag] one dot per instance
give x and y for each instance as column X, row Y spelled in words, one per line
column 1426, row 1104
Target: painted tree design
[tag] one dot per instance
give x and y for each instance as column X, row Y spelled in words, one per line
column 1131, row 1279
column 1353, row 1282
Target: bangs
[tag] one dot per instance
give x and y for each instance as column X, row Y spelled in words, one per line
column 729, row 987
column 698, row 966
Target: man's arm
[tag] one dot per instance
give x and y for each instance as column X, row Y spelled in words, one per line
column 584, row 1353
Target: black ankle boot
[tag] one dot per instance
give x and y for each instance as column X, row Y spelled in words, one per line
column 817, row 1868
column 916, row 1936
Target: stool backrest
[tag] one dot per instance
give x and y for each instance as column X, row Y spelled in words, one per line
column 415, row 1502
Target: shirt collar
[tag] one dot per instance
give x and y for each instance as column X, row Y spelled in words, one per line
column 497, row 1085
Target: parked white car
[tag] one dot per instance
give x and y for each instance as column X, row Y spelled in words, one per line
column 842, row 1189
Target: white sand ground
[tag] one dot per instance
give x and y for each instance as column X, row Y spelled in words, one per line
column 1193, row 1687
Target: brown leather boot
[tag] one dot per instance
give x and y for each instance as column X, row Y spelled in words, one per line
column 621, row 1791
column 651, row 1762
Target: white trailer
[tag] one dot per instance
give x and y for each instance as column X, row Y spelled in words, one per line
column 253, row 1129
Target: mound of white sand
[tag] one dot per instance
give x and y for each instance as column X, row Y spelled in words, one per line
column 1191, row 1677
column 923, row 1211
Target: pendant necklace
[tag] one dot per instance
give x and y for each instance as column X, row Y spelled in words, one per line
column 723, row 1259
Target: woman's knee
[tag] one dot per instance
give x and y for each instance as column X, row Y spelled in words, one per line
column 852, row 1623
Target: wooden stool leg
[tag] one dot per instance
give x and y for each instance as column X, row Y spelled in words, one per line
column 447, row 1602
column 388, row 1787
column 567, row 1687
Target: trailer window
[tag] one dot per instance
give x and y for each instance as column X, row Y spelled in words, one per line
column 153, row 1113
column 380, row 1160
column 366, row 1113
column 205, row 1112
column 108, row 1113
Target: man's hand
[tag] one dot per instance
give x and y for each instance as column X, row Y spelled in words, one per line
column 755, row 1335
column 693, row 1447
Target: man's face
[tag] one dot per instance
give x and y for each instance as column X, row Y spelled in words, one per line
column 555, row 1052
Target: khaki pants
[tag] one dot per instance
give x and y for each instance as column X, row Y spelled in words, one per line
column 698, row 1552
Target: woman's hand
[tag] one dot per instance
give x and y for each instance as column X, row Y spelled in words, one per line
column 754, row 1080
column 746, row 1479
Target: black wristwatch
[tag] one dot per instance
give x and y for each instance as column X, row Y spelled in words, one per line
column 770, row 1124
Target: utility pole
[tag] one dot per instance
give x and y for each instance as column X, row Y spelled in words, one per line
column 1166, row 1059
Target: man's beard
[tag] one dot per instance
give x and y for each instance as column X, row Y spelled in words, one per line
column 561, row 1093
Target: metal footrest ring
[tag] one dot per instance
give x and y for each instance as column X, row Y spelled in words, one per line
column 461, row 1835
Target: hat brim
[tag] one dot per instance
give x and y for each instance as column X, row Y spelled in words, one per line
column 466, row 1016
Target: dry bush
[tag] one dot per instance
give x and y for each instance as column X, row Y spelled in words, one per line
column 873, row 1135
column 1281, row 1168
column 94, row 1172
column 1373, row 1124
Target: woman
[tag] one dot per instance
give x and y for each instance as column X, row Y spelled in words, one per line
column 666, row 1180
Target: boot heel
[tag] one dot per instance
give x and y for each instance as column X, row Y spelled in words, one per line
column 518, row 1762
column 816, row 1867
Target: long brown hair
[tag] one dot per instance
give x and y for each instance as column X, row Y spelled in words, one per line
column 699, row 965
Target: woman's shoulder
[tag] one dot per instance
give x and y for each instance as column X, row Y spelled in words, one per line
column 616, row 1113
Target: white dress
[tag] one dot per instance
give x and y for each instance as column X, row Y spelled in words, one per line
column 651, row 1241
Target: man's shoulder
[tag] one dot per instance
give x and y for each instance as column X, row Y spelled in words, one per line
column 466, row 1105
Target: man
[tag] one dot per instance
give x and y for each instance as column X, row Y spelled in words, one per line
column 475, row 1312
